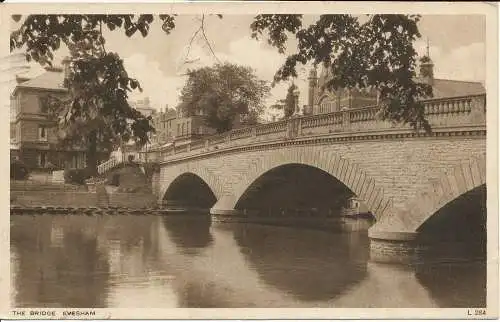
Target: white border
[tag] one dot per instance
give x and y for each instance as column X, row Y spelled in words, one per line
column 488, row 9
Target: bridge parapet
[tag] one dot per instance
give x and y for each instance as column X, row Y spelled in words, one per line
column 442, row 114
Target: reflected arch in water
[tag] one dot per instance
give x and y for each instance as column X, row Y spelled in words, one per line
column 191, row 191
column 190, row 233
column 294, row 187
column 453, row 263
column 307, row 264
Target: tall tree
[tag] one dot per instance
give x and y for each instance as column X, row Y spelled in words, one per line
column 290, row 101
column 287, row 105
column 222, row 93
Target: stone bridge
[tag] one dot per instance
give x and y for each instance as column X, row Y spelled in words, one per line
column 402, row 176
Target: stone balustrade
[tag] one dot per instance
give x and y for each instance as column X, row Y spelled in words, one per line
column 447, row 112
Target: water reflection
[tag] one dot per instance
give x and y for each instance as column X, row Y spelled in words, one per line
column 66, row 271
column 149, row 261
column 190, row 233
column 455, row 285
column 311, row 265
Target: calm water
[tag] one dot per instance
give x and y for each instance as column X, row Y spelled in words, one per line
column 159, row 262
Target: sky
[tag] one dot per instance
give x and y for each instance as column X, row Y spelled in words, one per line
column 457, row 47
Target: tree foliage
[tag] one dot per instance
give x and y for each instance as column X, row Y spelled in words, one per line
column 377, row 53
column 222, row 93
column 96, row 112
column 290, row 101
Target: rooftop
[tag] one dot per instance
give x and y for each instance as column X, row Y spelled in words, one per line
column 443, row 88
column 51, row 79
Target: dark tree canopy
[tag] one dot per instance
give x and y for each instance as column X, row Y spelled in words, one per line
column 223, row 93
column 378, row 54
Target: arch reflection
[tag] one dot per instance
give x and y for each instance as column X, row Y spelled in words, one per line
column 311, row 265
column 190, row 233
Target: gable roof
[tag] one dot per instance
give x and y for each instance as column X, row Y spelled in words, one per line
column 51, row 79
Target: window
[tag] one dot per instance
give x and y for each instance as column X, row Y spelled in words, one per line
column 42, row 159
column 178, row 129
column 200, row 130
column 44, row 104
column 183, row 129
column 42, row 133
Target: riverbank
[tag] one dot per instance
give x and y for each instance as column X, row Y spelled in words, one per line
column 31, row 198
column 50, row 210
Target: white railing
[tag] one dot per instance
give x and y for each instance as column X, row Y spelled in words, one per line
column 115, row 161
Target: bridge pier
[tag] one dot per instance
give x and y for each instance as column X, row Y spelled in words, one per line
column 393, row 247
column 223, row 210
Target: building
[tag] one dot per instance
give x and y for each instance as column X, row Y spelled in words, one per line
column 164, row 123
column 12, row 67
column 322, row 100
column 143, row 106
column 34, row 133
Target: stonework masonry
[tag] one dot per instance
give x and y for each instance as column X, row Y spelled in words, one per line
column 388, row 174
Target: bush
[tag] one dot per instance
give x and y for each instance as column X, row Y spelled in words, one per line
column 75, row 176
column 18, row 170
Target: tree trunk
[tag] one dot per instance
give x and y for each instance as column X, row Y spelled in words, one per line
column 92, row 154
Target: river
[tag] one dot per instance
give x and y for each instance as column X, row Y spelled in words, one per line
column 168, row 262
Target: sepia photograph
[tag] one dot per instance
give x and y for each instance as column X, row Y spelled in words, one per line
column 173, row 157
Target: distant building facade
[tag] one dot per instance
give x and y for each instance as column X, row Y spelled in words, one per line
column 322, row 100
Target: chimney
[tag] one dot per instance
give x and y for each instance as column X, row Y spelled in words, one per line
column 66, row 63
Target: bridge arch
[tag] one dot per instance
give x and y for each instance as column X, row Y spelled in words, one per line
column 198, row 174
column 344, row 170
column 452, row 184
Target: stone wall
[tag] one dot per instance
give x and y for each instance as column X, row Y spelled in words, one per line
column 386, row 172
column 80, row 199
column 132, row 200
column 53, row 199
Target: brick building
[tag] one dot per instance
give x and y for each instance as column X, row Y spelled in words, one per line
column 326, row 101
